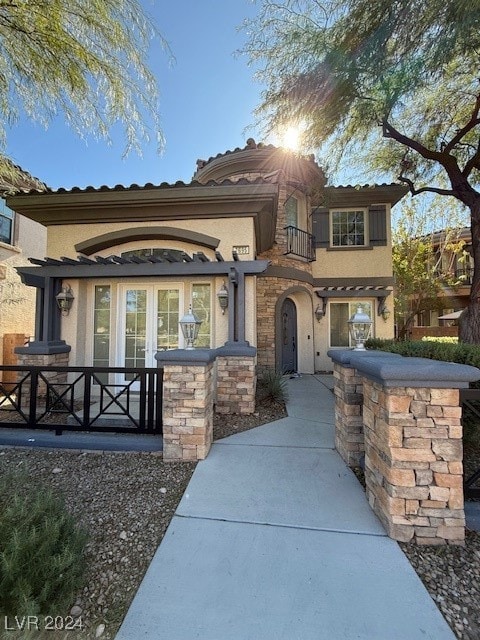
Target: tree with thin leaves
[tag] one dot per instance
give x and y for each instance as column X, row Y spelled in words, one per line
column 391, row 86
column 425, row 258
column 83, row 59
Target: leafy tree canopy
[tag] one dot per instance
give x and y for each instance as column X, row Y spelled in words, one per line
column 390, row 85
column 352, row 71
column 85, row 59
column 426, row 258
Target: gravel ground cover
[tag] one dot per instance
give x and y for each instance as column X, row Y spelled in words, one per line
column 126, row 501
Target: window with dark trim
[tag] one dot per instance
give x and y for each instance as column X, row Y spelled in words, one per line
column 291, row 212
column 348, row 228
column 6, row 223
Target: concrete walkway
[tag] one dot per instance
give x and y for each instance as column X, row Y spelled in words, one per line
column 274, row 540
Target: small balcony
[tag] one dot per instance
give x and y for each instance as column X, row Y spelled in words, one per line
column 300, row 243
column 465, row 275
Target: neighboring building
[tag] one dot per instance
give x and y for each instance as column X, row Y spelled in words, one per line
column 20, row 239
column 457, row 267
column 295, row 256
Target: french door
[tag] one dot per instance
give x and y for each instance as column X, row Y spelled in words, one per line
column 148, row 322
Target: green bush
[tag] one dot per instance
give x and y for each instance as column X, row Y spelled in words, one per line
column 446, row 351
column 272, row 386
column 41, row 550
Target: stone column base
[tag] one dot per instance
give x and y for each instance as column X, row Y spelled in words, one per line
column 187, row 403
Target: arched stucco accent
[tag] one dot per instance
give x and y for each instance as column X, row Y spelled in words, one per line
column 303, row 299
column 106, row 240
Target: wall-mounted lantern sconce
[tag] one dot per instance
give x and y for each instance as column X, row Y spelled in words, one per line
column 382, row 309
column 222, row 296
column 190, row 325
column 65, row 299
column 319, row 311
column 360, row 326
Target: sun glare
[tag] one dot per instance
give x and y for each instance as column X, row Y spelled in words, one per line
column 291, row 138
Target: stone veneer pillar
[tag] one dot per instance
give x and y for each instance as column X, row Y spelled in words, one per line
column 188, row 380
column 349, row 437
column 43, row 354
column 413, row 445
column 236, row 379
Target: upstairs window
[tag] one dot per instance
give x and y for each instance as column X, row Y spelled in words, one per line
column 348, row 228
column 156, row 253
column 6, row 223
column 291, row 212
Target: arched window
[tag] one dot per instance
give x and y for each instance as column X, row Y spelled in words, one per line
column 157, row 253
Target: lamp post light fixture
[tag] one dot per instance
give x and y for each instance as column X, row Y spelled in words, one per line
column 190, row 325
column 360, row 326
column 222, row 296
column 65, row 299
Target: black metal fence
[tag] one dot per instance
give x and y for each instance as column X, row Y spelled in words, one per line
column 83, row 399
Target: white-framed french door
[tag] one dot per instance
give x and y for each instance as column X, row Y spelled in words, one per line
column 148, row 322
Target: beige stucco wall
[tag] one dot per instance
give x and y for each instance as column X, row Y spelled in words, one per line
column 231, row 232
column 351, row 263
column 17, row 301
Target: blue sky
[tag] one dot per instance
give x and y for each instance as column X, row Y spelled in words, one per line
column 206, row 103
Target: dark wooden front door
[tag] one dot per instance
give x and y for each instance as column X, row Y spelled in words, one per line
column 289, row 336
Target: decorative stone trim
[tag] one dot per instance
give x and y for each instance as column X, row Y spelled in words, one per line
column 412, row 438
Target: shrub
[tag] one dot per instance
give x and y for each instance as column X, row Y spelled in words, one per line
column 272, row 386
column 460, row 352
column 41, row 550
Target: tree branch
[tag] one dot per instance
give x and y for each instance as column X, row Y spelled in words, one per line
column 472, row 123
column 415, row 192
column 472, row 163
column 389, row 131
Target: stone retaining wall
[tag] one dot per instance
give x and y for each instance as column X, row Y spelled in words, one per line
column 412, row 435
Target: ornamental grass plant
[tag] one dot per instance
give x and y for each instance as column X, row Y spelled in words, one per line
column 272, row 386
column 41, row 550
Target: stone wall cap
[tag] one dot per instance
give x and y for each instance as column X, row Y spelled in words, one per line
column 186, row 357
column 344, row 356
column 38, row 348
column 414, row 372
column 240, row 349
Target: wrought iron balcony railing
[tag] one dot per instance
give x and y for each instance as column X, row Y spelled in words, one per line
column 300, row 243
column 464, row 275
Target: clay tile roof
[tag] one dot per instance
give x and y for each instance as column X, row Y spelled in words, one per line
column 14, row 179
column 147, row 186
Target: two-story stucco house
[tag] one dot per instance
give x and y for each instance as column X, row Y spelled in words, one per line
column 295, row 256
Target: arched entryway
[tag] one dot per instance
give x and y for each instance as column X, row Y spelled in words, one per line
column 289, row 354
